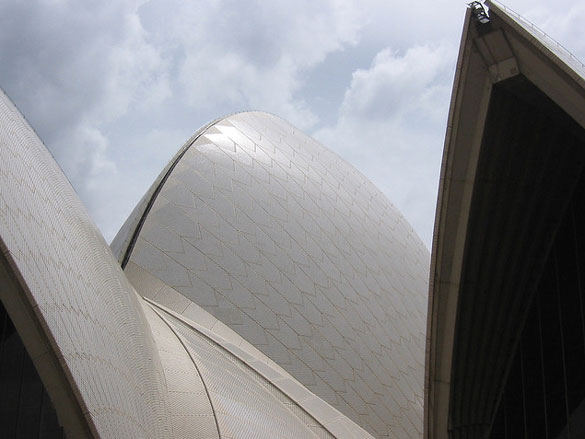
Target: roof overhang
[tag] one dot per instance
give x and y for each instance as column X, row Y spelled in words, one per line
column 491, row 55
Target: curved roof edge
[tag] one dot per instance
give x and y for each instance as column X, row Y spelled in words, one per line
column 506, row 49
column 191, row 410
column 324, row 415
column 39, row 345
column 168, row 300
column 124, row 241
column 558, row 53
column 242, row 171
column 68, row 297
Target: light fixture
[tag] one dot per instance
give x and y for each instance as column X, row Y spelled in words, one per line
column 480, row 12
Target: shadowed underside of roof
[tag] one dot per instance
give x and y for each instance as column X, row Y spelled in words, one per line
column 513, row 160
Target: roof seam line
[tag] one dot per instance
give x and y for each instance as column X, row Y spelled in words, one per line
column 163, row 309
column 161, row 184
column 158, row 313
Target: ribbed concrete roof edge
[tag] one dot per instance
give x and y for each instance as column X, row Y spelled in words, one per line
column 535, row 58
column 555, row 51
column 442, row 198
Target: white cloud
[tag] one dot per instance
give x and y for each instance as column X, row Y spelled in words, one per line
column 566, row 27
column 144, row 156
column 392, row 123
column 73, row 67
column 251, row 54
column 115, row 87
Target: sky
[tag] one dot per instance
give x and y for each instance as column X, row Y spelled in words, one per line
column 115, row 87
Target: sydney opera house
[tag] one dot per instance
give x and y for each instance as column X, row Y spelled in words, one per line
column 264, row 288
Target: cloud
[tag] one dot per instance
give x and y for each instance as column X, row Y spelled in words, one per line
column 73, row 67
column 88, row 73
column 117, row 86
column 144, row 156
column 251, row 54
column 566, row 27
column 391, row 126
column 391, row 122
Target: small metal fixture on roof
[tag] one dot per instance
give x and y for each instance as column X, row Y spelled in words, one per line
column 480, row 11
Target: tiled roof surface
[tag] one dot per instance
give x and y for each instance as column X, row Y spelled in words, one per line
column 296, row 251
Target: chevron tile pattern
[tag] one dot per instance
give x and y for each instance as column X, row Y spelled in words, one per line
column 296, row 251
